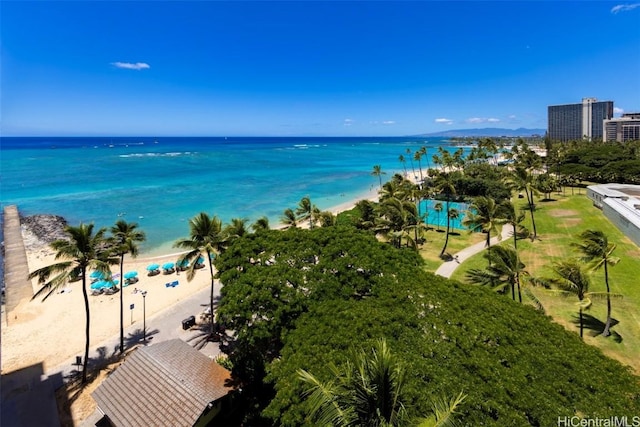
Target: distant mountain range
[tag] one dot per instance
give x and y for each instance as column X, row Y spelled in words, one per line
column 493, row 132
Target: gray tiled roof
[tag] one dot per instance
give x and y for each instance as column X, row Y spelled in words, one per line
column 165, row 384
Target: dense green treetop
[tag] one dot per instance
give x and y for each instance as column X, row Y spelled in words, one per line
column 516, row 366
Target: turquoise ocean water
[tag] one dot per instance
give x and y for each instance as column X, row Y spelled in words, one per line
column 162, row 182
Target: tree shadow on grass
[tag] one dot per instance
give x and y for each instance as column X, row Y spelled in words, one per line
column 594, row 326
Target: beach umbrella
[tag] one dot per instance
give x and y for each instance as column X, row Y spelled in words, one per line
column 168, row 265
column 101, row 284
column 130, row 274
column 200, row 260
column 152, row 267
column 184, row 263
column 98, row 275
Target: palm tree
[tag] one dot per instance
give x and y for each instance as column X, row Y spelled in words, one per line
column 484, row 215
column 504, row 272
column 82, row 251
column 418, row 156
column 404, row 163
column 438, row 208
column 408, row 151
column 368, row 391
column 234, row 230
column 508, row 212
column 597, row 251
column 289, row 218
column 444, row 185
column 377, row 171
column 205, row 237
column 522, row 180
column 261, row 223
column 572, row 279
column 305, row 210
column 125, row 237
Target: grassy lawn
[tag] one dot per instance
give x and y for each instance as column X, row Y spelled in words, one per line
column 458, row 240
column 558, row 223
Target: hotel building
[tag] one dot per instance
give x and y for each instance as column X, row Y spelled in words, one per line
column 578, row 121
column 623, row 129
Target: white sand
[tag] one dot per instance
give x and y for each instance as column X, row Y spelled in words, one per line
column 52, row 331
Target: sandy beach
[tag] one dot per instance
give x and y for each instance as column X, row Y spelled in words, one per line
column 52, row 331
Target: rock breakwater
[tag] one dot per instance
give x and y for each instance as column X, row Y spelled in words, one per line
column 38, row 231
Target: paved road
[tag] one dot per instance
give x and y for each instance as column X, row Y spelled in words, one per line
column 448, row 267
column 34, row 402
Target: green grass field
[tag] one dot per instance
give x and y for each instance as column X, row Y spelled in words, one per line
column 559, row 222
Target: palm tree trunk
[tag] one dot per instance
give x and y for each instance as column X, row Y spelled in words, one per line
column 488, row 244
column 581, row 323
column 85, row 362
column 446, row 238
column 212, row 283
column 607, row 325
column 121, row 304
column 515, row 238
column 518, row 283
column 531, row 207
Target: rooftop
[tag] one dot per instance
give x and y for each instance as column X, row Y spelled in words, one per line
column 168, row 383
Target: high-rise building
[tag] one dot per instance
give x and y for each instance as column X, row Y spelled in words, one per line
column 623, row 129
column 578, row 121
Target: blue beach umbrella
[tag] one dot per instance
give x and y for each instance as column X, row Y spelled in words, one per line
column 200, row 260
column 101, row 284
column 184, row 263
column 168, row 265
column 130, row 274
column 98, row 275
column 152, row 267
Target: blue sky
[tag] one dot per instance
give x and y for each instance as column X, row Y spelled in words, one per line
column 303, row 68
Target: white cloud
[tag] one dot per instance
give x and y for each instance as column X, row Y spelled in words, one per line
column 624, row 7
column 617, row 110
column 131, row 65
column 348, row 122
column 389, row 122
column 482, row 120
column 445, row 121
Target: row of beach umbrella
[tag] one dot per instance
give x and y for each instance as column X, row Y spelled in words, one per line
column 171, row 265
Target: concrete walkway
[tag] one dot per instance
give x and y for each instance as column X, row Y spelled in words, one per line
column 448, row 267
column 16, row 268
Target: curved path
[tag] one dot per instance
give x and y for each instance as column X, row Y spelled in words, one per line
column 448, row 267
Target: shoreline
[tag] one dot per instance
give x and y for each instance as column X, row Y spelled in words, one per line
column 31, row 338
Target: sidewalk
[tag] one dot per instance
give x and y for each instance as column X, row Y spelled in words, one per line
column 448, row 267
column 28, row 394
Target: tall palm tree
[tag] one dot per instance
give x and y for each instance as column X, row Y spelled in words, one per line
column 234, row 230
column 418, row 156
column 484, row 215
column 597, row 251
column 504, row 272
column 125, row 238
column 83, row 250
column 522, row 180
column 572, row 279
column 404, row 163
column 261, row 223
column 305, row 210
column 438, row 208
column 408, row 151
column 508, row 212
column 377, row 171
column 205, row 238
column 444, row 185
column 289, row 218
column 368, row 391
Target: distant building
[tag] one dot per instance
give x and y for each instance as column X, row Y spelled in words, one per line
column 578, row 121
column 623, row 129
column 620, row 203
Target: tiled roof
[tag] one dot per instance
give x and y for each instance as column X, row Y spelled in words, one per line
column 165, row 384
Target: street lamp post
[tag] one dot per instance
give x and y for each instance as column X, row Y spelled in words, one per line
column 144, row 317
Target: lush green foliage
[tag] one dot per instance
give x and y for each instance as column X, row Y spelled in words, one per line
column 303, row 299
column 598, row 162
